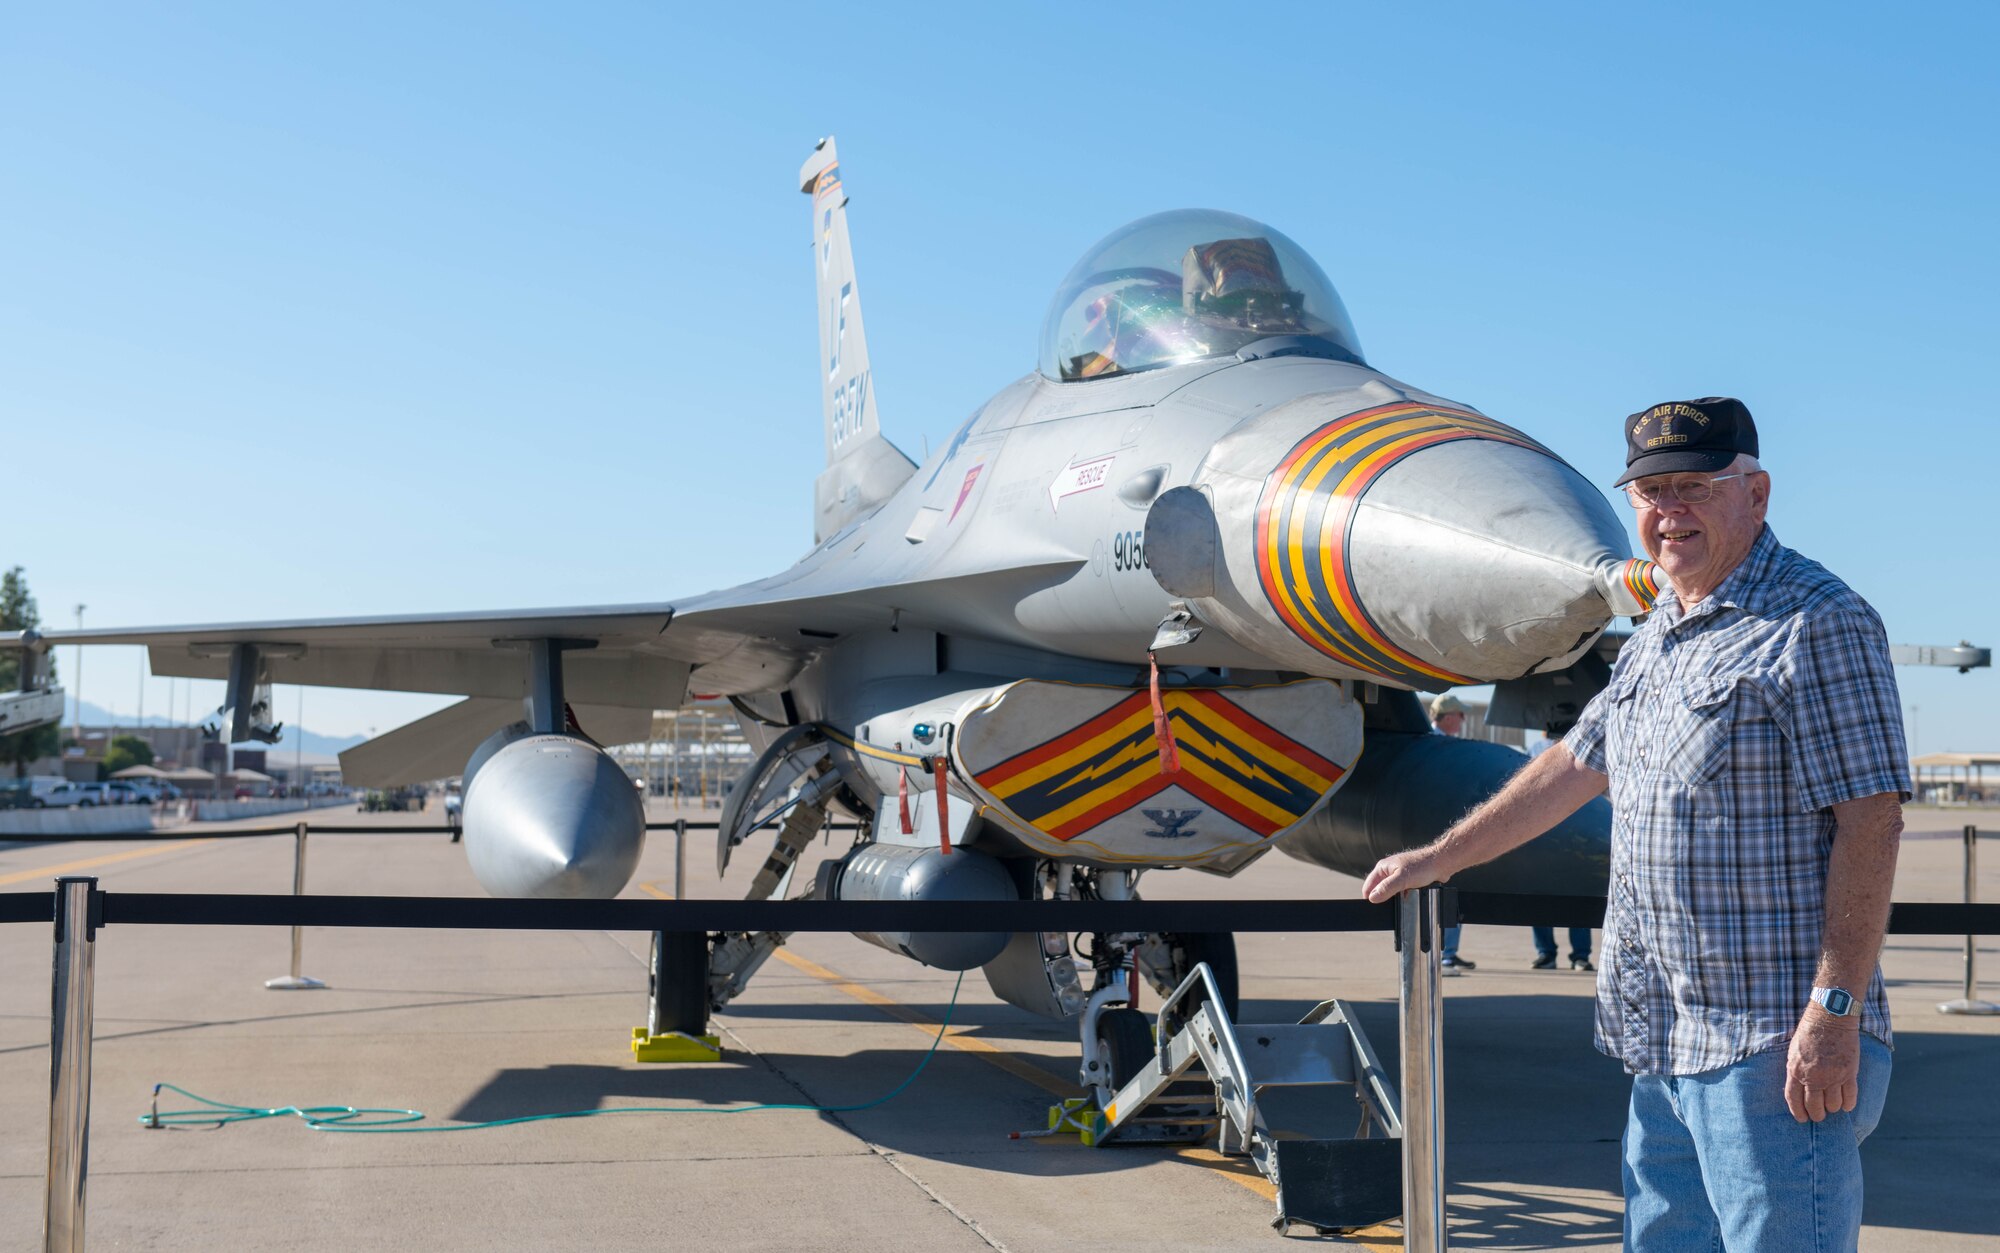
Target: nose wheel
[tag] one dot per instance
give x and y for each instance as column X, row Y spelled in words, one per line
column 1125, row 1043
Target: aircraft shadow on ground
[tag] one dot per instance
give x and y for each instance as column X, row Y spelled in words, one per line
column 951, row 1111
column 527, row 1092
column 1931, row 1163
column 1488, row 1217
column 1002, row 1021
column 1531, row 1109
column 1522, row 1079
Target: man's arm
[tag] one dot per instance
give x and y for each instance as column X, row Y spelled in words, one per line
column 1547, row 790
column 1825, row 1058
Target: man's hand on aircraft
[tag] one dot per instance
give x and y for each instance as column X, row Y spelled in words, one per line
column 1402, row 871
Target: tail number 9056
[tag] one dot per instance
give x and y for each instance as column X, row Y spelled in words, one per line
column 1128, row 550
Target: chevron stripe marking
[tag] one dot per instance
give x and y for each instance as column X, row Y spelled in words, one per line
column 1303, row 763
column 1239, row 765
column 1036, row 764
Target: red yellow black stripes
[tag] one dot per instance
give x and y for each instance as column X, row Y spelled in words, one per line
column 1233, row 761
column 1305, row 521
column 1642, row 579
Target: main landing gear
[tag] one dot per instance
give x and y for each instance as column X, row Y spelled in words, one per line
column 676, row 1027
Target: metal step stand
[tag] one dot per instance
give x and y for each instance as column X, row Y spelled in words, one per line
column 1334, row 1184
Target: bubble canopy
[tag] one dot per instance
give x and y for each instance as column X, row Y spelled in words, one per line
column 1185, row 286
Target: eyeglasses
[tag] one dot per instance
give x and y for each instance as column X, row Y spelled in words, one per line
column 1689, row 489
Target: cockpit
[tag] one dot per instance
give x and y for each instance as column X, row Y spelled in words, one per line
column 1187, row 286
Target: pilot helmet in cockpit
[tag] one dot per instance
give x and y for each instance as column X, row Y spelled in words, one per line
column 1240, row 282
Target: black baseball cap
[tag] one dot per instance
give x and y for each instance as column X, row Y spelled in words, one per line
column 1705, row 434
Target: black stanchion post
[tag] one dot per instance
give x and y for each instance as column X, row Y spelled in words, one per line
column 1419, row 936
column 69, row 1063
column 655, row 1019
column 1970, row 1002
column 297, row 981
column 680, row 858
column 657, row 1015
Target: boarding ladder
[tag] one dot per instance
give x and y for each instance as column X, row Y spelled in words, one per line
column 1333, row 1184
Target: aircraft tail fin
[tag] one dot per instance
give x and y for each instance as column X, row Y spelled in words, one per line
column 863, row 469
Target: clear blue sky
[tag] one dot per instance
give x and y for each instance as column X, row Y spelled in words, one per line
column 372, row 308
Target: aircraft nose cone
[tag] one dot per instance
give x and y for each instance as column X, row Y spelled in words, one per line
column 552, row 816
column 1484, row 559
column 1407, row 540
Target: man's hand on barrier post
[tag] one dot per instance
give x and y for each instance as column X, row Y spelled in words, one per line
column 1401, row 872
column 1823, row 1066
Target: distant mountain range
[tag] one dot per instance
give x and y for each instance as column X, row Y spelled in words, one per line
column 96, row 716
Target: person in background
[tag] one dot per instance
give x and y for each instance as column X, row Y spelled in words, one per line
column 1448, row 715
column 1545, row 949
column 1448, row 718
column 1545, row 937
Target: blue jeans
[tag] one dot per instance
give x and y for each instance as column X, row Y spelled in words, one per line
column 1716, row 1161
column 1579, row 942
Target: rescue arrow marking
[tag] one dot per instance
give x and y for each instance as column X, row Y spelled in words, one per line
column 1080, row 476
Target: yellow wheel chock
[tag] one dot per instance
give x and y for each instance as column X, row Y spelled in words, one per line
column 675, row 1046
column 1078, row 1114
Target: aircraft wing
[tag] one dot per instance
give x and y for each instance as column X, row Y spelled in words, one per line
column 464, row 654
column 745, row 639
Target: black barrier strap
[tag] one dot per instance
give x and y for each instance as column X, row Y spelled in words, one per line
column 239, row 909
column 177, row 833
column 766, row 826
column 1925, row 919
column 1504, row 909
column 237, row 833
column 1491, row 908
column 27, row 907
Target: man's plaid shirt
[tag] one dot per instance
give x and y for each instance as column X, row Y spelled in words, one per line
column 1728, row 731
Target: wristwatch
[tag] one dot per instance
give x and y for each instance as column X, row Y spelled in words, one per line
column 1836, row 1001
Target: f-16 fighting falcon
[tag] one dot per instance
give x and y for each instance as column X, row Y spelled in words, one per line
column 1145, row 609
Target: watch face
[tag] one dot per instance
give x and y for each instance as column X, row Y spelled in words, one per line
column 1838, row 1001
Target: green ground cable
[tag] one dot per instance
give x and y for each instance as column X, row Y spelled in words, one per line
column 354, row 1119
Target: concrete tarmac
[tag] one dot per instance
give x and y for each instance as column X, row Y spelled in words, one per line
column 476, row 1026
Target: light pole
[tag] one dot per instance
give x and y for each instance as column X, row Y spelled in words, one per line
column 79, row 677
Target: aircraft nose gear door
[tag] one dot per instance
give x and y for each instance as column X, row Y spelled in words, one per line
column 738, row 955
column 792, row 756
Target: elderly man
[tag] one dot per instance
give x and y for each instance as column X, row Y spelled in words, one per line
column 1751, row 740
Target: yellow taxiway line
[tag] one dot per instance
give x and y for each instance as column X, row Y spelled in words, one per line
column 1381, row 1238
column 91, row 863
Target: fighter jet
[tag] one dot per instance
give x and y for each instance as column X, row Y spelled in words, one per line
column 1162, row 603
